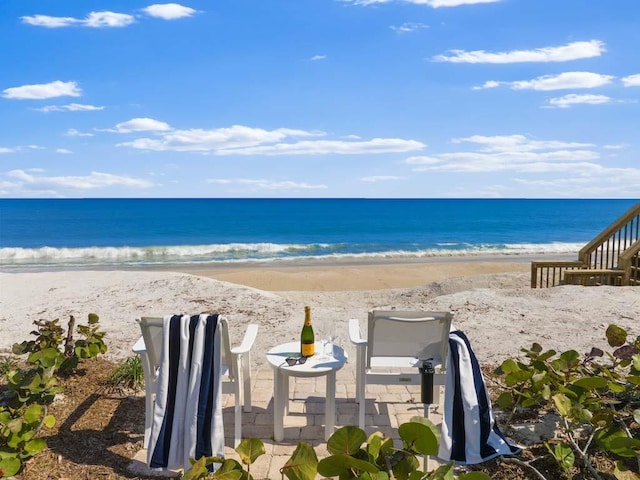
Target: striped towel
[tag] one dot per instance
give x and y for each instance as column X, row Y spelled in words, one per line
column 187, row 417
column 469, row 431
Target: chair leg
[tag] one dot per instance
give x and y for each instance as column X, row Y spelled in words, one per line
column 246, row 378
column 237, row 427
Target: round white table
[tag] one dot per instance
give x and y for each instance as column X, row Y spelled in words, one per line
column 315, row 366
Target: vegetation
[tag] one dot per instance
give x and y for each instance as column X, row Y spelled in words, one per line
column 352, row 456
column 597, row 397
column 32, row 388
column 128, row 375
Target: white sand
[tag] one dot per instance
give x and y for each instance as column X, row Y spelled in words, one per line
column 498, row 312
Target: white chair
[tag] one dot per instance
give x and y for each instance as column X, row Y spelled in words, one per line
column 396, row 344
column 236, row 368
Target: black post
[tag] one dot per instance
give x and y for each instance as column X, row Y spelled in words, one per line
column 427, row 371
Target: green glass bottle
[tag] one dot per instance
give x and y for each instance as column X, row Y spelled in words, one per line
column 307, row 339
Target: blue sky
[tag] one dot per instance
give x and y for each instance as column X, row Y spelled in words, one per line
column 320, row 98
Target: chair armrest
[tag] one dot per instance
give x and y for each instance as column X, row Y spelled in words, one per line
column 247, row 341
column 139, row 347
column 354, row 332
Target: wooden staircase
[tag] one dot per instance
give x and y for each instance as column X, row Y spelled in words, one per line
column 612, row 258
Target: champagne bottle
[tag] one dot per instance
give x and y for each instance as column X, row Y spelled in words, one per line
column 307, row 339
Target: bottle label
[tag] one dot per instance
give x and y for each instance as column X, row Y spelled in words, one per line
column 307, row 349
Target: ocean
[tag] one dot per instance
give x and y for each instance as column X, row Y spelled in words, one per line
column 87, row 233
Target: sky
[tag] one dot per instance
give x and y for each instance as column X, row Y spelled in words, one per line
column 320, row 98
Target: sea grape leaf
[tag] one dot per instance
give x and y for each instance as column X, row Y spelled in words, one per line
column 626, row 352
column 250, row 449
column 590, row 383
column 622, row 472
column 616, row 336
column 346, row 440
column 562, row 403
column 303, row 464
column 419, row 437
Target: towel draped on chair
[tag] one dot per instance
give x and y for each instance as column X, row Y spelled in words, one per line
column 469, row 432
column 187, row 418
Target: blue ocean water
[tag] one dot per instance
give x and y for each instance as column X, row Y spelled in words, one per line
column 47, row 233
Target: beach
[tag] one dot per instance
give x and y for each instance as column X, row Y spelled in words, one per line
column 491, row 301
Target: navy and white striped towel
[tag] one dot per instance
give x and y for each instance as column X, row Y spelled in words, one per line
column 187, row 418
column 469, row 431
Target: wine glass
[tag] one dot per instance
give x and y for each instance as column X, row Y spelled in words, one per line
column 328, row 339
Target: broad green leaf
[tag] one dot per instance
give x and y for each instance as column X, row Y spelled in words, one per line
column 605, row 439
column 509, row 366
column 636, row 415
column 625, row 446
column 33, row 413
column 519, row 376
column 443, row 472
column 621, row 472
column 562, row 403
column 250, row 449
column 35, row 446
column 419, row 437
column 474, row 476
column 634, row 379
column 303, row 464
column 49, row 421
column 616, row 336
column 425, row 421
column 636, row 362
column 590, row 383
column 347, row 440
column 616, row 387
column 9, row 466
column 337, row 464
column 373, row 447
column 505, row 400
column 564, row 456
column 197, row 470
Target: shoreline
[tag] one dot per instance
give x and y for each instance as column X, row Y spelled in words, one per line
column 331, row 274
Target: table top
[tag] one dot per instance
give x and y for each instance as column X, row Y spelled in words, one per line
column 314, row 366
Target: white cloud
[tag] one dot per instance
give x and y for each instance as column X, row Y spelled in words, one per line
column 168, row 11
column 72, row 132
column 430, row 3
column 318, row 57
column 43, row 90
column 4, row 150
column 631, row 80
column 92, row 181
column 71, row 107
column 573, row 99
column 408, row 27
column 615, row 146
column 93, row 20
column 63, row 151
column 562, row 81
column 141, row 125
column 242, row 140
column 380, row 178
column 521, row 143
column 261, row 184
column 564, row 53
column 517, row 153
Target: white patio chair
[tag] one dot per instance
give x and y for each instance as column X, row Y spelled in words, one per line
column 396, row 344
column 236, row 371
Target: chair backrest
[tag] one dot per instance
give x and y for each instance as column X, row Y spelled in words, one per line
column 151, row 328
column 414, row 334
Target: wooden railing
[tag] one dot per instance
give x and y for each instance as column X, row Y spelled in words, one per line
column 546, row 274
column 612, row 258
column 630, row 264
column 603, row 251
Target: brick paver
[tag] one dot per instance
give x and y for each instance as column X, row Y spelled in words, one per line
column 387, row 406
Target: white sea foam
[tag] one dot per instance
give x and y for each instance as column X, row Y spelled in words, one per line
column 254, row 252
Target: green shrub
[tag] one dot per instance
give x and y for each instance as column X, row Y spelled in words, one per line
column 597, row 397
column 128, row 375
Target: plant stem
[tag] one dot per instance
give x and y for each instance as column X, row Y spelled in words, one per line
column 526, row 465
column 583, row 453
